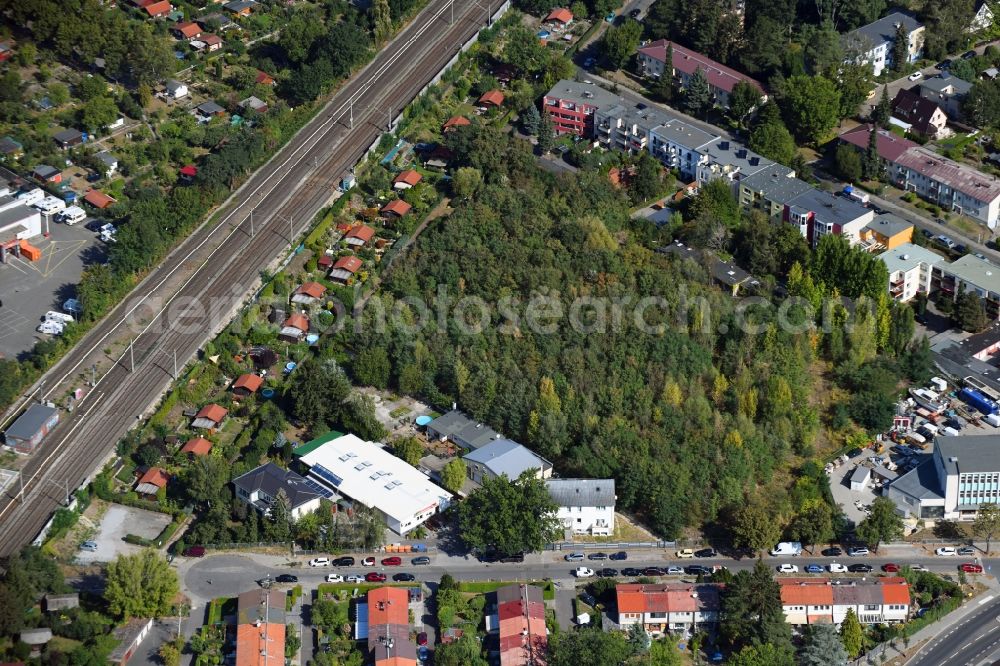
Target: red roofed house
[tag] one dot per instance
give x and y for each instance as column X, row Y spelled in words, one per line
column 491, row 98
column 264, row 79
column 359, row 236
column 158, row 9
column 210, row 416
column 822, row 601
column 389, row 627
column 212, row 42
column 308, row 293
column 294, row 328
column 520, row 623
column 188, row 172
column 559, row 16
column 260, row 645
column 98, row 199
column 325, row 262
column 406, row 179
column 247, row 384
column 455, row 121
column 199, row 446
column 151, row 482
column 721, row 79
column 889, row 146
column 344, row 269
column 668, row 607
column 397, row 208
column 186, row 30
column 923, row 116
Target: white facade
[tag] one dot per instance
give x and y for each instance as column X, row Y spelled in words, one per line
column 681, row 146
column 953, row 186
column 872, row 43
column 910, row 270
column 18, row 221
column 586, row 506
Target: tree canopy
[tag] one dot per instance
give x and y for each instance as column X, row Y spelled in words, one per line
column 508, row 517
column 140, row 585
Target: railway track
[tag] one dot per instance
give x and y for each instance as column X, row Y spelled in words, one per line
column 226, row 257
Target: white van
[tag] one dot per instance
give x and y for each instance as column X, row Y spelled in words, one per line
column 993, row 420
column 31, row 197
column 72, row 215
column 50, row 327
column 929, row 430
column 51, row 205
column 951, row 432
column 60, row 317
column 793, row 548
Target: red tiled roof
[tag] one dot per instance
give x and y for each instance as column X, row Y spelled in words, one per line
column 388, row 605
column 895, row 591
column 211, row 40
column 314, row 289
column 494, row 97
column 249, row 382
column 190, row 171
column 299, row 321
column 158, row 8
column 326, row 260
column 155, row 475
column 806, row 592
column 971, row 182
column 362, row 232
column 264, row 79
column 889, row 146
column 457, row 121
column 199, row 446
column 688, row 62
column 260, row 646
column 213, row 412
column 98, row 199
column 398, row 206
column 560, row 14
column 349, row 264
column 188, row 29
column 410, row 177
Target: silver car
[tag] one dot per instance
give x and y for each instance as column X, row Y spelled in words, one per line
column 575, row 557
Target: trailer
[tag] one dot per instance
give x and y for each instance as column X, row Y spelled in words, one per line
column 976, row 399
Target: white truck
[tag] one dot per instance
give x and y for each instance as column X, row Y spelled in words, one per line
column 792, row 548
column 72, row 215
column 51, row 205
column 50, row 327
column 60, row 317
column 31, row 197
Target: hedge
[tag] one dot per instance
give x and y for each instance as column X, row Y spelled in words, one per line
column 548, row 588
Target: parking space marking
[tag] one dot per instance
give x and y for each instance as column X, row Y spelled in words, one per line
column 61, row 250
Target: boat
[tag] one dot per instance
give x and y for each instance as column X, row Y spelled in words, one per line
column 929, row 400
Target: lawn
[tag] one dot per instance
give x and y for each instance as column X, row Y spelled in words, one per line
column 362, row 588
column 548, row 589
column 219, row 608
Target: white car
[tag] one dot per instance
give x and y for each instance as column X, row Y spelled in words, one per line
column 836, row 567
column 916, row 76
column 945, row 551
column 319, row 562
column 788, row 568
column 918, row 567
column 368, row 562
column 334, row 578
column 674, row 570
column 857, row 552
column 354, row 578
column 583, row 572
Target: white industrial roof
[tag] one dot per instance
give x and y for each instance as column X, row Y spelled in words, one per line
column 369, row 474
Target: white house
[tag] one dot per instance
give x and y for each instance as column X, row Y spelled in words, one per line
column 586, row 506
column 261, row 487
column 807, row 601
column 504, row 457
column 175, row 89
column 675, row 608
column 910, row 270
column 109, row 162
column 983, row 18
column 872, row 43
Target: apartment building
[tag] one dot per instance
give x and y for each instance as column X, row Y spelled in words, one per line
column 886, row 232
column 769, row 190
column 571, row 106
column 518, row 621
column 586, row 506
column 911, row 269
column 721, row 79
column 817, row 213
column 807, row 601
column 628, row 127
column 674, row 608
column 953, row 186
column 679, row 145
column 873, row 43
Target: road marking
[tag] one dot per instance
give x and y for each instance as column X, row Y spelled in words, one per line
column 985, row 599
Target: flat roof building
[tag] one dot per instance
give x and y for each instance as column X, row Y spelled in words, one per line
column 27, row 432
column 456, row 427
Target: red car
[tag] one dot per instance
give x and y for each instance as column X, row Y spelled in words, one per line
column 889, row 567
column 194, row 551
column 971, row 567
column 375, row 577
column 392, row 561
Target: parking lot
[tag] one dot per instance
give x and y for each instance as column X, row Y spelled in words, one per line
column 29, row 289
column 118, row 521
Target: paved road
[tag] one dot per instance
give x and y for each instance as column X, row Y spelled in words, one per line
column 968, row 642
column 196, row 291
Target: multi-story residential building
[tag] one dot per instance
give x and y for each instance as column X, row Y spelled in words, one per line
column 721, row 79
column 911, row 268
column 518, row 620
column 586, row 506
column 809, row 601
column 571, row 106
column 675, row 608
column 817, row 213
column 971, row 273
column 679, row 145
column 769, row 190
column 889, row 146
column 962, row 474
column 953, row 186
column 732, row 162
column 872, row 43
column 946, row 91
column 628, row 127
column 886, row 232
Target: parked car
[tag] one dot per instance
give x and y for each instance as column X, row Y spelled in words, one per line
column 684, row 553
column 631, row 572
column 697, row 570
column 588, row 599
column 583, row 572
column 787, row 568
column 860, row 568
column 319, row 562
column 287, row 578
column 705, row 552
column 575, row 557
column 968, row 55
column 509, row 559
column 607, row 572
column 355, row 578
column 966, row 550
column 619, row 556
column 334, row 578
column 916, row 76
column 917, row 567
column 91, row 547
column 344, row 562
column 403, row 577
column 597, row 556
column 375, row 577
column 836, row 567
column 857, row 551
column 423, row 559
column 393, row 561
column 890, row 567
column 675, row 571
column 653, row 571
column 422, row 638
column 635, row 13
column 833, row 551
column 814, row 568
column 489, row 557
column 971, row 567
column 589, row 62
column 194, row 551
column 368, row 562
column 944, row 64
column 947, row 242
column 945, row 551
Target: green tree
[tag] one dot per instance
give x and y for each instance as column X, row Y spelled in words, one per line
column 763, row 655
column 382, row 20
column 752, row 610
column 531, row 120
column 811, row 106
column 848, row 163
column 754, row 527
column 872, row 167
column 854, row 81
column 169, row 654
column 814, row 525
column 453, row 475
column 987, row 523
column 823, row 647
column 408, row 449
column 546, row 134
column 900, row 48
column 98, row 113
column 462, row 652
column 970, row 312
column 771, row 138
column 648, row 181
column 883, row 110
column 882, row 524
column 140, row 585
column 697, row 94
column 981, row 105
column 279, row 518
column 58, row 93
column 852, row 634
column 621, row 41
column 664, row 653
column 523, row 50
column 507, row 516
column 372, row 367
column 664, row 87
column 468, row 179
column 588, row 647
column 742, row 101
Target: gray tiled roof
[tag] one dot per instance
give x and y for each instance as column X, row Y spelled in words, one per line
column 270, row 479
column 582, row 492
column 775, row 184
column 503, row 456
column 921, row 482
column 463, row 430
column 829, row 208
column 883, row 30
column 582, row 93
column 938, row 84
column 685, row 135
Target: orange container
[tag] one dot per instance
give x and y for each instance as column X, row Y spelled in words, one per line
column 30, row 252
